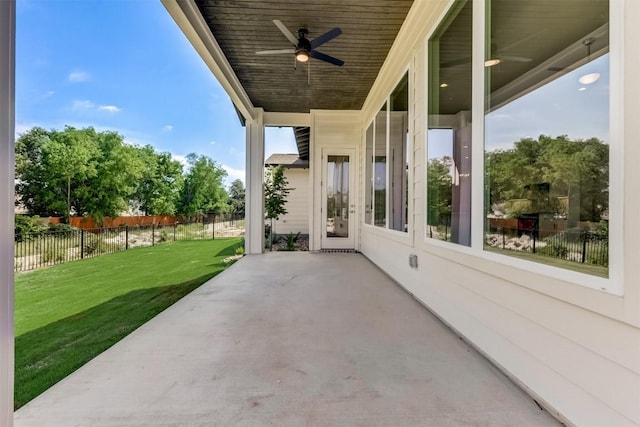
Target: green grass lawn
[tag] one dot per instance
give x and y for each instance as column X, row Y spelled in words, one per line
column 595, row 270
column 68, row 314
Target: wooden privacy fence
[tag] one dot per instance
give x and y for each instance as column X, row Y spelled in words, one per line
column 121, row 221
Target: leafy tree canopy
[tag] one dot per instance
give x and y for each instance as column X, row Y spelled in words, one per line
column 203, row 191
column 158, row 191
column 236, row 197
column 89, row 173
column 275, row 192
column 549, row 169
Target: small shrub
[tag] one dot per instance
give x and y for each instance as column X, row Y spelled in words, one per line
column 60, row 227
column 600, row 228
column 95, row 245
column 164, row 235
column 239, row 250
column 553, row 249
column 291, row 241
column 599, row 257
column 27, row 227
column 53, row 255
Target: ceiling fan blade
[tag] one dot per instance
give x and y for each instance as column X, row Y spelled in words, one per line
column 522, row 40
column 274, row 52
column 323, row 57
column 293, row 39
column 329, row 35
column 515, row 58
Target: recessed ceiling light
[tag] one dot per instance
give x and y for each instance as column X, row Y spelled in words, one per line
column 491, row 62
column 588, row 79
column 582, row 88
column 443, row 85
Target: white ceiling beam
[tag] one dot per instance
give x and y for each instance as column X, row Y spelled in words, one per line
column 194, row 27
column 287, row 119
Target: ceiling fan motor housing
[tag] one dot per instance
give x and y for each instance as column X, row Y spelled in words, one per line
column 303, row 42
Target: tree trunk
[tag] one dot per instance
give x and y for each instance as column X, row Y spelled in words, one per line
column 69, row 200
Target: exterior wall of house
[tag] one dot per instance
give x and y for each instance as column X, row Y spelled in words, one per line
column 297, row 218
column 573, row 347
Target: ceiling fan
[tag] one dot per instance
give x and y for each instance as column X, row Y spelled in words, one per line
column 498, row 54
column 303, row 48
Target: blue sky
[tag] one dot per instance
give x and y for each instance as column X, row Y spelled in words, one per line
column 125, row 66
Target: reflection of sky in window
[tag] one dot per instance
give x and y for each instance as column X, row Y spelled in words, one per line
column 380, row 176
column 440, row 143
column 330, row 173
column 557, row 108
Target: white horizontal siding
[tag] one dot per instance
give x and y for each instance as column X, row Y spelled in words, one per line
column 297, row 218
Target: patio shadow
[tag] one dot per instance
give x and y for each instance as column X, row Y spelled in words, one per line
column 47, row 355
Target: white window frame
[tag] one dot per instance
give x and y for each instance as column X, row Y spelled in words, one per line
column 397, row 234
column 502, row 265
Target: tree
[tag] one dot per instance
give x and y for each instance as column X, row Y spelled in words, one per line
column 236, row 197
column 118, row 170
column 75, row 170
column 31, row 183
column 203, row 191
column 545, row 170
column 275, row 195
column 439, row 190
column 158, row 190
column 51, row 165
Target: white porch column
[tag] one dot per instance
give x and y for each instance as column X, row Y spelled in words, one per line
column 7, row 126
column 254, row 193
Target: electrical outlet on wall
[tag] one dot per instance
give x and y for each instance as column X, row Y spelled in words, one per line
column 413, row 261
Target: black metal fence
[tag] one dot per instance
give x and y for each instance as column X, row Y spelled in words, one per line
column 574, row 245
column 40, row 249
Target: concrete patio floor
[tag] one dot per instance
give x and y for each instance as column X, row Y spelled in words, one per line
column 289, row 339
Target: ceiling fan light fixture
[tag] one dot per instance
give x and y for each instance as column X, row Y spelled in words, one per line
column 302, row 55
column 491, row 62
column 590, row 78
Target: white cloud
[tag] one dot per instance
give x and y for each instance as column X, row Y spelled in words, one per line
column 21, row 128
column 81, row 105
column 79, row 76
column 182, row 159
column 48, row 94
column 167, row 128
column 234, row 173
column 213, row 143
column 109, row 108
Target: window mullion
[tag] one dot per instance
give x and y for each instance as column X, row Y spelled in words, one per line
column 477, row 129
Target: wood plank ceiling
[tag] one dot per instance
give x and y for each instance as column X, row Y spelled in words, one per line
column 243, row 27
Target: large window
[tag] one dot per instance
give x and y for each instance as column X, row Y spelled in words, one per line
column 547, row 132
column 398, row 155
column 368, row 192
column 449, row 128
column 380, row 169
column 387, row 162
